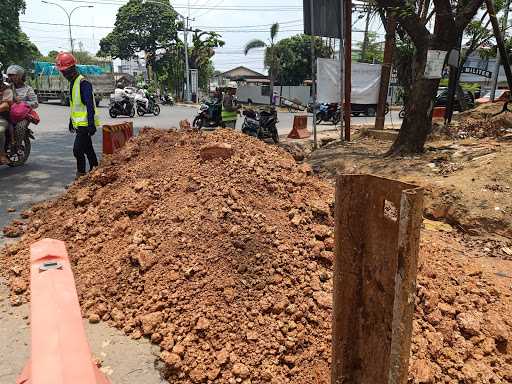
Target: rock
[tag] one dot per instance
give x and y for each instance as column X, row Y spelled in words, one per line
column 82, row 197
column 321, row 232
column 173, row 360
column 240, row 370
column 323, row 299
column 252, row 335
column 421, row 372
column 11, row 210
column 156, row 338
column 470, row 323
column 117, row 315
column 18, row 285
column 150, row 322
column 216, row 151
column 202, row 324
column 198, row 374
column 94, row 318
column 213, row 373
column 222, row 357
column 26, row 214
column 12, row 232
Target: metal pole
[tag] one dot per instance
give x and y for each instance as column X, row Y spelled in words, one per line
column 497, row 66
column 188, row 95
column 313, row 73
column 386, row 70
column 348, row 67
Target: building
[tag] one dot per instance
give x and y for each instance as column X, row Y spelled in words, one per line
column 134, row 67
column 241, row 75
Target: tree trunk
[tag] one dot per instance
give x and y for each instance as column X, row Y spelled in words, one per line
column 417, row 123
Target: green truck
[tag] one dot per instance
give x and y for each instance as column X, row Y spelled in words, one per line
column 49, row 84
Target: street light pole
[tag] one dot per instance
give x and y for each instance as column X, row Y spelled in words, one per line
column 68, row 14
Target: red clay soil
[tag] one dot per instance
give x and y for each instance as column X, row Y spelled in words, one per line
column 222, row 255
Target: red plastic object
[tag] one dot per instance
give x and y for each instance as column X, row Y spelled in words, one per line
column 116, row 136
column 60, row 353
column 300, row 128
column 438, row 113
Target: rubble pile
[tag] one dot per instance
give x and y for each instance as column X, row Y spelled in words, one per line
column 482, row 121
column 219, row 249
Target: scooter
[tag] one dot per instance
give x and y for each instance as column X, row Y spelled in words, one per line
column 17, row 147
column 329, row 113
column 262, row 124
column 152, row 107
column 167, row 100
column 210, row 115
column 123, row 107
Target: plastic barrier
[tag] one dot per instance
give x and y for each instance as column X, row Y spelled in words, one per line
column 438, row 113
column 60, row 353
column 116, row 136
column 300, row 128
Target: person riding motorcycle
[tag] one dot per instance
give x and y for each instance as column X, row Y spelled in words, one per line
column 142, row 95
column 22, row 92
column 6, row 100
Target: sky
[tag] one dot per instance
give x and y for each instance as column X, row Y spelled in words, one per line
column 238, row 21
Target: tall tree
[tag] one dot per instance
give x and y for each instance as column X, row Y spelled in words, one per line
column 295, row 58
column 450, row 20
column 15, row 46
column 141, row 26
column 371, row 49
column 271, row 58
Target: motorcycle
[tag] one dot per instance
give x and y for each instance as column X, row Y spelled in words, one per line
column 18, row 150
column 209, row 115
column 152, row 107
column 123, row 107
column 262, row 124
column 329, row 113
column 167, row 100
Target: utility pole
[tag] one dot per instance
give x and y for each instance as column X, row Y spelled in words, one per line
column 496, row 72
column 389, row 48
column 69, row 14
column 348, row 67
column 188, row 94
column 313, row 72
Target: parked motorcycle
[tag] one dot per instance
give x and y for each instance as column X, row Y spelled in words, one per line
column 124, row 107
column 330, row 113
column 152, row 107
column 262, row 124
column 210, row 115
column 18, row 150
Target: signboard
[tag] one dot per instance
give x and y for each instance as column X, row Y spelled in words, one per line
column 435, row 64
column 326, row 18
column 477, row 71
column 365, row 82
column 194, row 81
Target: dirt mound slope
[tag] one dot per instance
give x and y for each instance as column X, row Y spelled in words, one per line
column 219, row 248
column 482, row 121
column 224, row 262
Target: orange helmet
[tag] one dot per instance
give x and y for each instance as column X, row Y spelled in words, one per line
column 65, row 60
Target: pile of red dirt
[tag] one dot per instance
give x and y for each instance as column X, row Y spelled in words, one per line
column 482, row 121
column 219, row 248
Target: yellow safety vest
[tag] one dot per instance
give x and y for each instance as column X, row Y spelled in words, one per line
column 79, row 109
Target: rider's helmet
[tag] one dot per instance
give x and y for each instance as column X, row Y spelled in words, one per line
column 65, row 60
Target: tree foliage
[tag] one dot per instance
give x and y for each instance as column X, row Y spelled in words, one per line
column 295, row 58
column 141, row 26
column 373, row 52
column 15, row 46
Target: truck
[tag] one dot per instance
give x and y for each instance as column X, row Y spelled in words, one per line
column 49, row 84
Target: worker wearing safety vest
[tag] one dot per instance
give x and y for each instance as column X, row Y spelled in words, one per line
column 84, row 118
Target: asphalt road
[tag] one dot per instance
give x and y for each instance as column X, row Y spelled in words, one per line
column 51, row 165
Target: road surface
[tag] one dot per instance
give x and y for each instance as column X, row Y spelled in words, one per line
column 51, row 165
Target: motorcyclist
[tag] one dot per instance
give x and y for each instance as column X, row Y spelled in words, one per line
column 6, row 100
column 142, row 96
column 22, row 92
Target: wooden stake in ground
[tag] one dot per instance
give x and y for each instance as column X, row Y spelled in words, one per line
column 378, row 225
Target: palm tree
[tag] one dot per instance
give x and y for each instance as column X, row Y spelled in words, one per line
column 271, row 59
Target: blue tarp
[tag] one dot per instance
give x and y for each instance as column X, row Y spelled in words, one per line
column 48, row 69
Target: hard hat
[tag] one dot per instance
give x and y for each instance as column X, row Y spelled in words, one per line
column 65, row 60
column 15, row 70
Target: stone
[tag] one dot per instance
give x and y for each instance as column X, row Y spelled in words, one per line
column 422, row 372
column 173, row 360
column 470, row 323
column 150, row 322
column 323, row 299
column 240, row 370
column 82, row 197
column 94, row 318
column 202, row 324
column 216, row 151
column 222, row 357
column 18, row 285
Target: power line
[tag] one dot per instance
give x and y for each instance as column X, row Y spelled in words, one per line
column 252, row 26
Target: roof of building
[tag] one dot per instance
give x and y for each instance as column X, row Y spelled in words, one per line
column 241, row 72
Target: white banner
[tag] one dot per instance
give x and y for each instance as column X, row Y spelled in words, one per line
column 365, row 82
column 435, row 64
